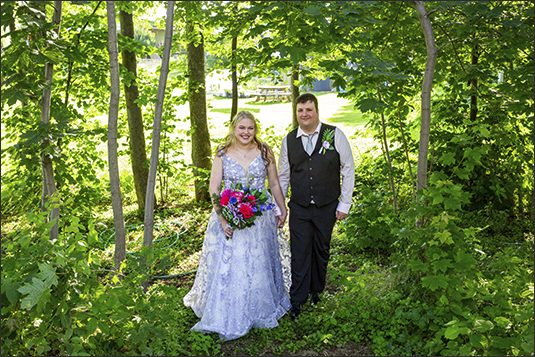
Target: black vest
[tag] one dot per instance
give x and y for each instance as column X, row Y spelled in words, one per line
column 315, row 177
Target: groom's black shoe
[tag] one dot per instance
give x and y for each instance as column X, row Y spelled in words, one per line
column 295, row 310
column 314, row 298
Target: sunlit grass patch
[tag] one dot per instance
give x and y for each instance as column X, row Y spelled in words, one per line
column 350, row 116
column 228, row 110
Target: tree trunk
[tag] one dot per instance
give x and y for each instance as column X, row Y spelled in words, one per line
column 413, row 184
column 157, row 126
column 425, row 127
column 200, row 137
column 49, row 183
column 387, row 151
column 473, row 86
column 234, row 109
column 138, row 152
column 295, row 94
column 113, row 114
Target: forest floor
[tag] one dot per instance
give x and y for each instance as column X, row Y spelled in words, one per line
column 250, row 341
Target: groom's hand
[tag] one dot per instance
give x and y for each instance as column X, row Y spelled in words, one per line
column 340, row 216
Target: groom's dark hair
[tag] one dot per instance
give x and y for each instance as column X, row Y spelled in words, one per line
column 305, row 97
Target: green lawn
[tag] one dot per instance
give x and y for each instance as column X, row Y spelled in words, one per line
column 349, row 116
column 227, row 110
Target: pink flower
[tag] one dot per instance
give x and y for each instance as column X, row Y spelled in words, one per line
column 238, row 195
column 226, row 193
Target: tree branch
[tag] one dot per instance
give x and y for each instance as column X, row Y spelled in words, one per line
column 391, row 30
column 430, row 12
column 450, row 41
column 454, row 49
column 69, row 75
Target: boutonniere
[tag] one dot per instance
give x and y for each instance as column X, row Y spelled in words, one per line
column 327, row 141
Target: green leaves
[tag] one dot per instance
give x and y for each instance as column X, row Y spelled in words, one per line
column 38, row 291
column 435, row 282
column 464, row 261
column 444, row 237
column 418, row 266
column 453, row 331
column 313, row 10
column 370, row 105
column 10, row 288
column 448, row 158
column 296, row 54
column 48, row 274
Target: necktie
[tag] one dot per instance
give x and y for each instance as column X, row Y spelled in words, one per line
column 310, row 148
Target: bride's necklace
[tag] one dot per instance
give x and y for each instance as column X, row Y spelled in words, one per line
column 244, row 155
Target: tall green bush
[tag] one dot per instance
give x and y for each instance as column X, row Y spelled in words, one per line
column 483, row 304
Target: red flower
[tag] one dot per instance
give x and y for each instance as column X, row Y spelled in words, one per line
column 251, row 199
column 224, row 200
column 246, row 210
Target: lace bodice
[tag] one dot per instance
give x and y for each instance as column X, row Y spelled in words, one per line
column 253, row 176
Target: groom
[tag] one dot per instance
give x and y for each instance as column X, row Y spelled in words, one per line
column 312, row 159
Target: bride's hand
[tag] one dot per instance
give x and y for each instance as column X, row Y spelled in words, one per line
column 280, row 220
column 227, row 229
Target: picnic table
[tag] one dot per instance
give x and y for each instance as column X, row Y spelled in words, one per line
column 277, row 92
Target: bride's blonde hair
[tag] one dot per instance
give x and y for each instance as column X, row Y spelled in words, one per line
column 230, row 139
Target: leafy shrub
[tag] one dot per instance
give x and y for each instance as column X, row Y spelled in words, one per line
column 484, row 312
column 47, row 287
column 370, row 222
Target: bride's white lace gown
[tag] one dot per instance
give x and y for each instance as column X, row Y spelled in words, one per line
column 242, row 282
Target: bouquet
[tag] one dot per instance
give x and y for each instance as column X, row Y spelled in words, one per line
column 240, row 205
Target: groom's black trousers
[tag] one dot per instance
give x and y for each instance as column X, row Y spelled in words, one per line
column 310, row 238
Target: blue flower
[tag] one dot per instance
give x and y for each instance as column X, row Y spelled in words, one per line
column 245, row 189
column 233, row 200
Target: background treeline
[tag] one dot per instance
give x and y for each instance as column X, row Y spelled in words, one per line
column 436, row 257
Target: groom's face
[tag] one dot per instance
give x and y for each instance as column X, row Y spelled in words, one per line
column 308, row 116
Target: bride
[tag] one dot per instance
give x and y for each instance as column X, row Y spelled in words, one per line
column 243, row 276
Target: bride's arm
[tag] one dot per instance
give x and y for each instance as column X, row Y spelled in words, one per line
column 216, row 177
column 274, row 185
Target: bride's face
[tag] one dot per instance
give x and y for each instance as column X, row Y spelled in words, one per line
column 245, row 131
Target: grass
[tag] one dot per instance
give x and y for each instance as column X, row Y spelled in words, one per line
column 349, row 116
column 228, row 110
column 173, row 276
